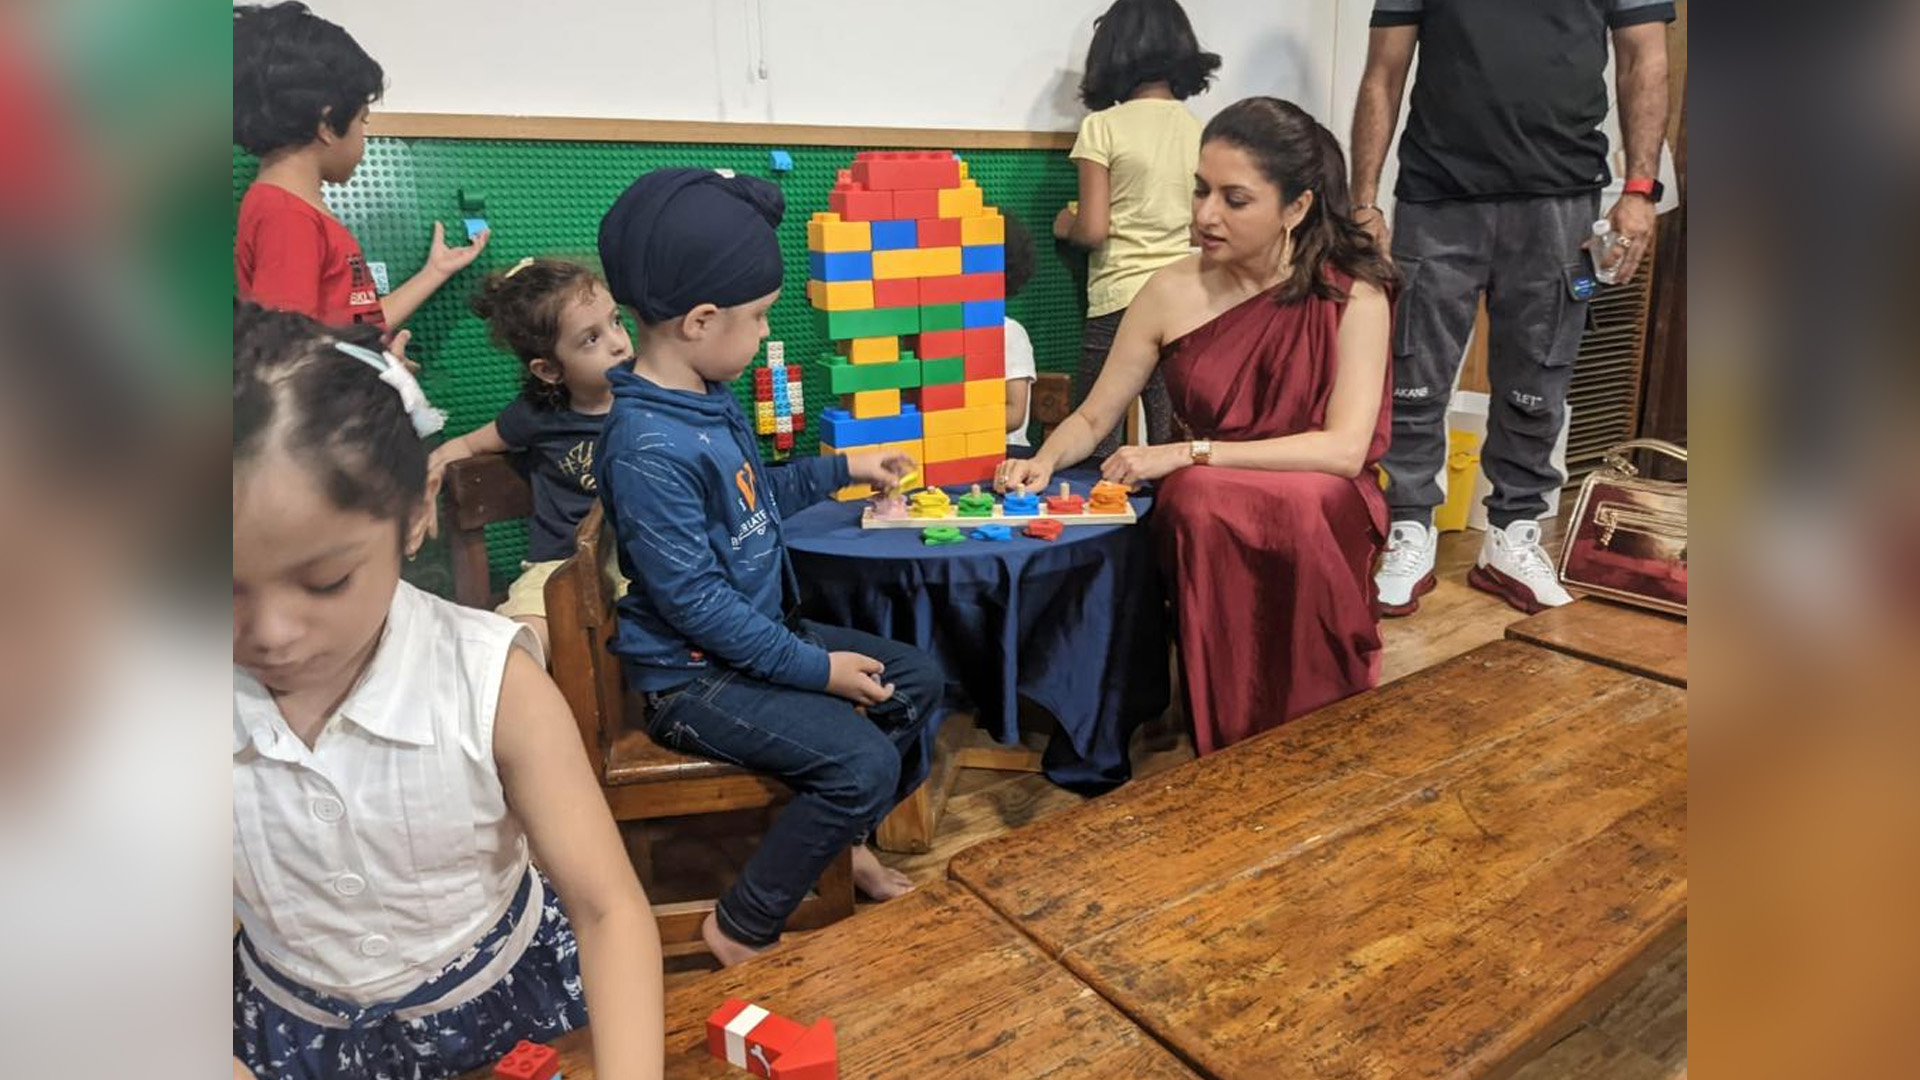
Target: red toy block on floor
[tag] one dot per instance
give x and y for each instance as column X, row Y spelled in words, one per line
column 770, row 1045
column 529, row 1061
column 905, row 170
column 1045, row 529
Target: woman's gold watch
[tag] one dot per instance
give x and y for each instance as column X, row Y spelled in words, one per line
column 1201, row 451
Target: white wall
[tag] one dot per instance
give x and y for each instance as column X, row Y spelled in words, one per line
column 1008, row 64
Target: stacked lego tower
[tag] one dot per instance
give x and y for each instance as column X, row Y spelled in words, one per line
column 779, row 401
column 908, row 281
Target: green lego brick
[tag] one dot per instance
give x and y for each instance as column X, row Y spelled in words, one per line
column 940, row 317
column 950, row 369
column 849, row 378
column 867, row 322
column 546, row 197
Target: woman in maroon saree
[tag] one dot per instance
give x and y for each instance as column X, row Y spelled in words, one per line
column 1274, row 344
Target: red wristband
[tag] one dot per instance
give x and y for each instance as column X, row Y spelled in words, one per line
column 1642, row 185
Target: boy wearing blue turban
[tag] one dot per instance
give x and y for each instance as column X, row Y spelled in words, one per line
column 707, row 633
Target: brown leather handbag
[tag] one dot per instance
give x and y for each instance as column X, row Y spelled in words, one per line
column 1629, row 533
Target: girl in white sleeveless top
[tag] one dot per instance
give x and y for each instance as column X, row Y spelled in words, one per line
column 399, row 763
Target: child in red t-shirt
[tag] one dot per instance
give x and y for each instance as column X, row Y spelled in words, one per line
column 301, row 89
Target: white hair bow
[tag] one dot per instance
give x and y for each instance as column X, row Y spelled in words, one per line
column 426, row 419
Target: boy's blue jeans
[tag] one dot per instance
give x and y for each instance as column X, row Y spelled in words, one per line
column 846, row 771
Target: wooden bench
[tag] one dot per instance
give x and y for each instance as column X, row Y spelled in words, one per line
column 1629, row 638
column 479, row 491
column 1435, row 878
column 932, row 986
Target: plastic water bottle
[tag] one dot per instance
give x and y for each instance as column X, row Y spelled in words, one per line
column 1602, row 246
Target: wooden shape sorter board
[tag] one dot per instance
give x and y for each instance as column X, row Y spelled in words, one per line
column 952, row 515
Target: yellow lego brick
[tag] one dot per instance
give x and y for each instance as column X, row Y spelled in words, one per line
column 840, row 295
column 826, row 232
column 964, row 421
column 986, row 392
column 944, row 447
column 873, row 350
column 988, row 228
column 939, row 262
column 868, row 404
column 963, row 170
column 964, row 201
column 987, row 444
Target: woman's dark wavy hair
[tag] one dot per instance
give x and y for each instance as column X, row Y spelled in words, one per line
column 1142, row 41
column 295, row 391
column 522, row 310
column 291, row 69
column 1297, row 153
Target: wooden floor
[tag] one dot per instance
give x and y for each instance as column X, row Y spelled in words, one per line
column 1642, row 1036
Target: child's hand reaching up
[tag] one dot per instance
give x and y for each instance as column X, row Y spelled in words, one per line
column 882, row 467
column 857, row 678
column 448, row 261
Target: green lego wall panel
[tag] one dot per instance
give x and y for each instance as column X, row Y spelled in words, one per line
column 546, row 197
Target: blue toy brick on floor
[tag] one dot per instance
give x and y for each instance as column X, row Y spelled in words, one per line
column 993, row 532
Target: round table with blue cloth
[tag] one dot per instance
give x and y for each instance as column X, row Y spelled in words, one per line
column 1075, row 625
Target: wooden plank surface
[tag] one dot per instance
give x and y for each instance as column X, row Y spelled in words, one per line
column 1434, row 879
column 869, row 520
column 1629, row 638
column 932, row 985
column 416, row 125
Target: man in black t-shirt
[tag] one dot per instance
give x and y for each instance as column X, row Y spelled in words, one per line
column 1501, row 167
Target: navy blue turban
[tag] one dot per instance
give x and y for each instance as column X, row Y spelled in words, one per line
column 679, row 238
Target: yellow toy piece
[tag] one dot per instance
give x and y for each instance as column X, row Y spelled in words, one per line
column 929, row 503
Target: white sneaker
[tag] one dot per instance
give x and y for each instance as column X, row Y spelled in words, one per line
column 1406, row 568
column 1513, row 566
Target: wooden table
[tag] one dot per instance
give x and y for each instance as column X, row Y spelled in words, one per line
column 928, row 986
column 1629, row 638
column 1436, row 878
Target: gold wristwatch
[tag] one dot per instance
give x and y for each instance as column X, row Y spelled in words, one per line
column 1201, row 451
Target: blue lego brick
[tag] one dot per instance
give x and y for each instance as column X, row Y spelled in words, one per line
column 475, row 226
column 975, row 314
column 840, row 265
column 841, row 431
column 780, row 161
column 890, row 235
column 983, row 259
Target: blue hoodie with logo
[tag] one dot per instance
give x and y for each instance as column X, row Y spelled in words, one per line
column 698, row 520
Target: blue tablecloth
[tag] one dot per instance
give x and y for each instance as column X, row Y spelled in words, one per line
column 1076, row 625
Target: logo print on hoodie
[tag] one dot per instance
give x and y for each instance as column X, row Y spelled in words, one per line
column 744, row 481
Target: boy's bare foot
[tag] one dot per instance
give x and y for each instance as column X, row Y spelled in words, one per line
column 726, row 950
column 876, row 881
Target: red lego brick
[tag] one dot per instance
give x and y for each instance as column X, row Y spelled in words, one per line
column 793, row 373
column 903, row 170
column 965, row 471
column 529, row 1061
column 989, row 286
column 943, row 290
column 931, row 398
column 897, row 292
column 987, row 340
column 918, row 204
column 985, row 367
column 816, row 1056
column 939, row 344
column 938, row 232
column 855, row 203
column 762, row 378
column 782, row 440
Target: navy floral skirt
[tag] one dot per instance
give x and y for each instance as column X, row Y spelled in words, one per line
column 286, row 1029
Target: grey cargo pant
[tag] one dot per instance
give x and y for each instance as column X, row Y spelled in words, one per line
column 1525, row 254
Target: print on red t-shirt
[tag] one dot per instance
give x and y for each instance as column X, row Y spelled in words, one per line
column 293, row 256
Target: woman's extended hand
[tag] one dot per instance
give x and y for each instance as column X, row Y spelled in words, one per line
column 1142, row 464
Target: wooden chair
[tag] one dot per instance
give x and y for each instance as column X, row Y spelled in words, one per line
column 480, row 491
column 642, row 780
